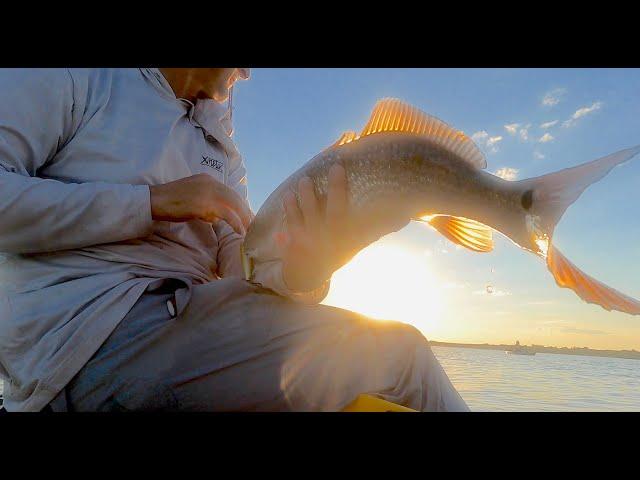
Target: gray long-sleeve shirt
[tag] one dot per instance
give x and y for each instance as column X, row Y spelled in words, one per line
column 78, row 149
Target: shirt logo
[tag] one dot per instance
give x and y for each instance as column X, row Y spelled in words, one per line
column 212, row 163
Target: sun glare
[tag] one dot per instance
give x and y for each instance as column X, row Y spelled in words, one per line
column 389, row 282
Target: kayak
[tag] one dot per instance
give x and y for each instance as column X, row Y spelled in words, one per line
column 367, row 403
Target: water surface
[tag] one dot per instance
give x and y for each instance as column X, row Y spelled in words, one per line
column 491, row 380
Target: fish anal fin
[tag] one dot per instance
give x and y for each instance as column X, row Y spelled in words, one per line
column 467, row 233
column 393, row 115
column 567, row 275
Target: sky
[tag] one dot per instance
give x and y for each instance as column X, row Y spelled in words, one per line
column 528, row 122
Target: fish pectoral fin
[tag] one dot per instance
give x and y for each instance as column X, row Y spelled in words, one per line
column 567, row 275
column 470, row 234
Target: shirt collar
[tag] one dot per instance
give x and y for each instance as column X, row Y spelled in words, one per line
column 155, row 77
column 212, row 117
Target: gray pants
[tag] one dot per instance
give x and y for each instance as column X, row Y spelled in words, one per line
column 240, row 347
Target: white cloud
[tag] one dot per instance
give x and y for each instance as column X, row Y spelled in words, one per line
column 483, row 138
column 545, row 302
column 581, row 112
column 550, row 124
column 493, row 140
column 512, row 128
column 583, row 331
column 553, row 97
column 490, row 291
column 507, row 173
column 547, row 137
column 479, row 136
column 538, row 155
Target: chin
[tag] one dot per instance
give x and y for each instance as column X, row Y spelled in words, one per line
column 220, row 98
column 220, row 95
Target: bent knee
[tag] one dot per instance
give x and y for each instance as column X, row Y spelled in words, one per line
column 405, row 334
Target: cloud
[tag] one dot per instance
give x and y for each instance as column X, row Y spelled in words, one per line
column 537, row 155
column 547, row 137
column 550, row 124
column 483, row 138
column 581, row 112
column 512, row 128
column 493, row 140
column 479, row 136
column 553, row 97
column 544, row 302
column 507, row 173
column 553, row 322
column 491, row 291
column 583, row 331
column 569, row 327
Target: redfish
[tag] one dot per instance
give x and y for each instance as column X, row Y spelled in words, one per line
column 409, row 165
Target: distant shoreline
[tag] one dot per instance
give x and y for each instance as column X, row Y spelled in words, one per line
column 629, row 354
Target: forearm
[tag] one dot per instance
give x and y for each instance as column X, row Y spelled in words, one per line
column 38, row 215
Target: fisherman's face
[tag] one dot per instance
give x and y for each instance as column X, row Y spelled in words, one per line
column 214, row 83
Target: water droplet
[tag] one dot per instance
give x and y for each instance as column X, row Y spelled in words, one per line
column 489, row 289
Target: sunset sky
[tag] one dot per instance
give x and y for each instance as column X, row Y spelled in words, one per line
column 528, row 122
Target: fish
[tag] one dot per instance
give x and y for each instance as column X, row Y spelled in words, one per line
column 406, row 165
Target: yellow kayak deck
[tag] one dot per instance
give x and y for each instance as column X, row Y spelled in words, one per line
column 368, row 403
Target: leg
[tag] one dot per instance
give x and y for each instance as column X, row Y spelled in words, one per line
column 238, row 347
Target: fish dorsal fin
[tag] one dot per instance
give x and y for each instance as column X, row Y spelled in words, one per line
column 567, row 275
column 347, row 137
column 393, row 115
column 468, row 233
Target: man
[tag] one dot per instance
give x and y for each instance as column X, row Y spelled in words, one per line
column 123, row 207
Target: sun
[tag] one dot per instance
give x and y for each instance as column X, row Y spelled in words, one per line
column 389, row 282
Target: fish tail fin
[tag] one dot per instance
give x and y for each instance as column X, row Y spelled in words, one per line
column 567, row 275
column 546, row 198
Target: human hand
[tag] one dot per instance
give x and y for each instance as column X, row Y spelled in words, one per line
column 199, row 197
column 316, row 243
